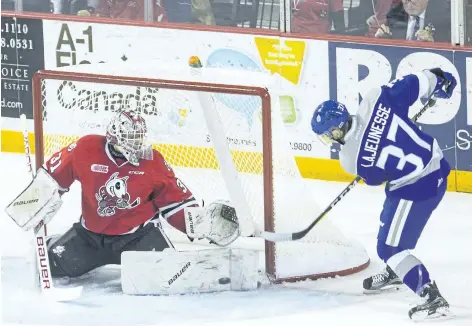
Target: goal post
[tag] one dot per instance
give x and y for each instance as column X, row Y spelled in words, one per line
column 222, row 133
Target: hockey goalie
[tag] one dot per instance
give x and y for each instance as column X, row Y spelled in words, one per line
column 126, row 188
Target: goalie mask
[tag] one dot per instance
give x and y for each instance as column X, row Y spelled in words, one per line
column 127, row 132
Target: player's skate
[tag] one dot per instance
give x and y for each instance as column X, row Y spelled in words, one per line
column 435, row 305
column 383, row 281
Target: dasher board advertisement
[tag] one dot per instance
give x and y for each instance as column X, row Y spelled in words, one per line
column 22, row 56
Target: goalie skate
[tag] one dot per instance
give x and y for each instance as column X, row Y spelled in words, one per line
column 384, row 281
column 434, row 307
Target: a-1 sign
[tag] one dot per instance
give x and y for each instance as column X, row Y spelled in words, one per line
column 66, row 47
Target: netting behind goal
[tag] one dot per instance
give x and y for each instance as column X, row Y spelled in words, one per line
column 224, row 141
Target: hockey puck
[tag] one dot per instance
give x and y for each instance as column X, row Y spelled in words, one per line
column 224, row 280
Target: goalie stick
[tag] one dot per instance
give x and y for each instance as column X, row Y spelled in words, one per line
column 43, row 270
column 280, row 237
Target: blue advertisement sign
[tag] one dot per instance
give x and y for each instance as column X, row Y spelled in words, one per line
column 463, row 119
column 357, row 68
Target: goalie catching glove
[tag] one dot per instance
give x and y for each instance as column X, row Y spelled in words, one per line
column 217, row 222
column 40, row 201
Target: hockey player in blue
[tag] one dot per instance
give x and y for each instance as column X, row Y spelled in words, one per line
column 381, row 145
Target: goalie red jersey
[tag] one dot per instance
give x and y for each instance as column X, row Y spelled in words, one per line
column 118, row 197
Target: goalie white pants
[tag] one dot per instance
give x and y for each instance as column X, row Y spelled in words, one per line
column 79, row 250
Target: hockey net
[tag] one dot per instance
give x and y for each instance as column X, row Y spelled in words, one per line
column 223, row 140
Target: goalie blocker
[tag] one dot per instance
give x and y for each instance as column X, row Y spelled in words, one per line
column 39, row 202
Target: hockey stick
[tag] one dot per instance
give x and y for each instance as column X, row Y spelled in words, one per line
column 279, row 237
column 43, row 271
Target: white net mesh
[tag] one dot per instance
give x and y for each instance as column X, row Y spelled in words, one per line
column 193, row 130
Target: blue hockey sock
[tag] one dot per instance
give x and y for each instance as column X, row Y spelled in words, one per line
column 417, row 278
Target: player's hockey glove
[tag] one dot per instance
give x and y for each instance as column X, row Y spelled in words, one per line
column 445, row 84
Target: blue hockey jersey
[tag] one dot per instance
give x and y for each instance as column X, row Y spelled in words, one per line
column 383, row 145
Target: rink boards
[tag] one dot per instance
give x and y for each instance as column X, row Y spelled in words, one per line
column 308, row 70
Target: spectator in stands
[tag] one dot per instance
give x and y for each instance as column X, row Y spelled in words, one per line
column 72, row 7
column 422, row 20
column 202, row 12
column 173, row 11
column 317, row 16
column 76, row 5
column 379, row 16
column 357, row 14
column 124, row 9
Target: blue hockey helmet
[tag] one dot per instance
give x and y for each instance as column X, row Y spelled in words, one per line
column 329, row 121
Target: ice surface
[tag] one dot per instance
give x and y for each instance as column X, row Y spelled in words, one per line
column 444, row 248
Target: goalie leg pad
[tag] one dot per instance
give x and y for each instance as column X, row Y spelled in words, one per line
column 196, row 271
